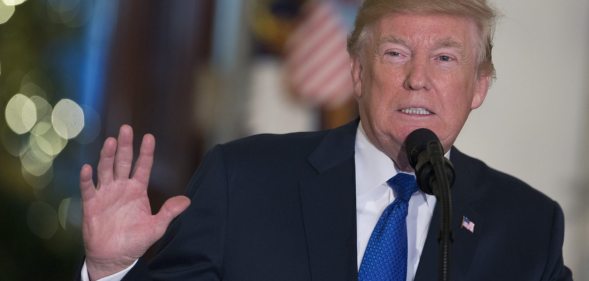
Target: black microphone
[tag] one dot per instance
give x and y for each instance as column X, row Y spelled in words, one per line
column 435, row 175
column 425, row 151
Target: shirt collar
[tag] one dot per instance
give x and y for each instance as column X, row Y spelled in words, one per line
column 374, row 167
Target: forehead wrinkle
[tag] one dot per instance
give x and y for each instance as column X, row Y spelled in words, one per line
column 392, row 39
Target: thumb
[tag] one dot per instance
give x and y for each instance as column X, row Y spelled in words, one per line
column 171, row 209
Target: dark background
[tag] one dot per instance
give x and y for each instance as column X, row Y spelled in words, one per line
column 132, row 61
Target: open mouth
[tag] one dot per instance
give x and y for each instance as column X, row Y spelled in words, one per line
column 416, row 111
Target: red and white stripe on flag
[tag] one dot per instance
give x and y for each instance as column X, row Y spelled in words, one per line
column 467, row 224
column 317, row 63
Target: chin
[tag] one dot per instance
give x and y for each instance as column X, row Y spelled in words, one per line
column 404, row 131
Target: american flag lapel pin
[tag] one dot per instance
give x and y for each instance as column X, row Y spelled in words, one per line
column 467, row 224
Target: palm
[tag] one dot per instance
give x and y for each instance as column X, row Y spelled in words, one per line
column 123, row 207
column 118, row 225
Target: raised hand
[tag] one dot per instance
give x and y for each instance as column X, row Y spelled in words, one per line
column 118, row 226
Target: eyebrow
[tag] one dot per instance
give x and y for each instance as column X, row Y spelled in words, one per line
column 449, row 43
column 392, row 39
column 444, row 43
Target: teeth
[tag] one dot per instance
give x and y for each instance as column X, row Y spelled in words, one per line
column 416, row 111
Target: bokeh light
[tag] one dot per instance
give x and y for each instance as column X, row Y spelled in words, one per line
column 91, row 126
column 68, row 12
column 42, row 219
column 69, row 212
column 64, row 6
column 43, row 107
column 6, row 12
column 46, row 139
column 74, row 213
column 21, row 114
column 36, row 162
column 32, row 89
column 67, row 119
column 14, row 144
column 62, row 212
column 41, row 128
column 13, row 2
column 38, row 182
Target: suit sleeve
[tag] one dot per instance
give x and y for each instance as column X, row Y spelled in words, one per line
column 192, row 248
column 555, row 269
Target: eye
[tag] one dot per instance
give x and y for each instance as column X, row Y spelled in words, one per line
column 393, row 53
column 445, row 58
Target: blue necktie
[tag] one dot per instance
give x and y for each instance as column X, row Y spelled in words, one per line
column 385, row 257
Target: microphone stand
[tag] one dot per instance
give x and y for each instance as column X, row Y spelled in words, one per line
column 441, row 189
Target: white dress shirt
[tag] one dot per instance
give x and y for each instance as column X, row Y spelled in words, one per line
column 373, row 195
column 115, row 277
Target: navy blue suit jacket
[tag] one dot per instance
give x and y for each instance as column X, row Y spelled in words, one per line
column 282, row 207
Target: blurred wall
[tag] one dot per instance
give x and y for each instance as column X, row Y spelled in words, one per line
column 534, row 123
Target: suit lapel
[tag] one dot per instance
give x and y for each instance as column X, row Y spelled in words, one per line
column 465, row 242
column 329, row 207
column 328, row 199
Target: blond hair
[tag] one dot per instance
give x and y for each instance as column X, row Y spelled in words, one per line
column 479, row 11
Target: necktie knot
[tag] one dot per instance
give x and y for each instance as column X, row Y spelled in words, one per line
column 404, row 185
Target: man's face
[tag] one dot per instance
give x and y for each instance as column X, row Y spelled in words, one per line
column 417, row 71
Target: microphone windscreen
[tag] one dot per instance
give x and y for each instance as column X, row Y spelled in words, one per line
column 417, row 142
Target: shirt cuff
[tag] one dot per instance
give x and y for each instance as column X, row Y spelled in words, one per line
column 115, row 277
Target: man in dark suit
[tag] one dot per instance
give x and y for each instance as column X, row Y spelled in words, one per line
column 302, row 206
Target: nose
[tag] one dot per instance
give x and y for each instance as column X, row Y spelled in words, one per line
column 417, row 77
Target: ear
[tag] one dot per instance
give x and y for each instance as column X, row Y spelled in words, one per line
column 357, row 76
column 480, row 92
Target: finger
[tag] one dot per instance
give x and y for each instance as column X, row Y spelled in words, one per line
column 124, row 154
column 105, row 164
column 87, row 189
column 145, row 160
column 171, row 209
